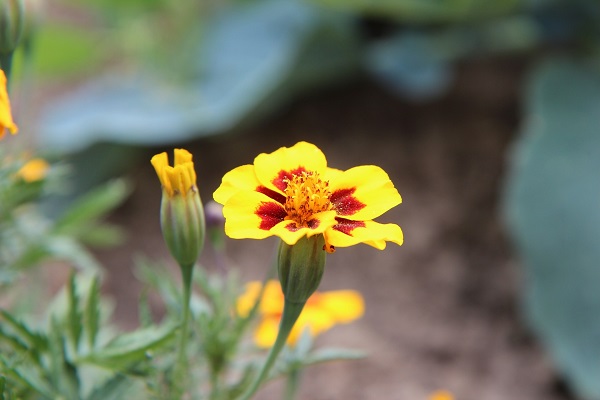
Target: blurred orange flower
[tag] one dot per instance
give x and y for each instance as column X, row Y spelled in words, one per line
column 322, row 311
column 33, row 170
column 441, row 395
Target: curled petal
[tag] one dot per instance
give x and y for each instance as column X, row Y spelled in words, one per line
column 273, row 169
column 363, row 193
column 348, row 233
column 290, row 232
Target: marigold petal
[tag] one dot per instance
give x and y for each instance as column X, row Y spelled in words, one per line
column 246, row 300
column 273, row 300
column 343, row 305
column 238, row 179
column 266, row 332
column 6, row 120
column 372, row 233
column 182, row 156
column 243, row 218
column 271, row 169
column 316, row 319
column 290, row 232
column 368, row 185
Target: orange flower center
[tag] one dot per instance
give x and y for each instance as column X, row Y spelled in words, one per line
column 306, row 195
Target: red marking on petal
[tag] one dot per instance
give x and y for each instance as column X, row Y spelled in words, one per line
column 313, row 223
column 283, row 176
column 346, row 226
column 344, row 203
column 292, row 227
column 270, row 214
column 278, row 197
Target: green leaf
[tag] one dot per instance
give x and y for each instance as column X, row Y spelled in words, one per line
column 553, row 213
column 91, row 316
column 28, row 378
column 63, row 373
column 130, row 348
column 88, row 209
column 114, row 388
column 333, row 354
column 423, row 11
column 74, row 316
column 63, row 50
column 34, row 339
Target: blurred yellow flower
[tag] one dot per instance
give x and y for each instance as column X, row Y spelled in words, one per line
column 292, row 193
column 178, row 179
column 33, row 170
column 6, row 121
column 441, row 395
column 322, row 311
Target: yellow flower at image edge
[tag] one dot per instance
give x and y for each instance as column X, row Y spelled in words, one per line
column 322, row 311
column 292, row 193
column 6, row 121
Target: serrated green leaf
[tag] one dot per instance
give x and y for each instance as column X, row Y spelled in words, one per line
column 28, row 378
column 145, row 315
column 74, row 317
column 132, row 347
column 113, row 389
column 91, row 316
column 35, row 339
column 64, row 374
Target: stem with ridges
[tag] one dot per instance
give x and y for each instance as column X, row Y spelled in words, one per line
column 291, row 312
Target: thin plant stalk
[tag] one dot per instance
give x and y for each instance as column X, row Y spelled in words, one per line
column 291, row 312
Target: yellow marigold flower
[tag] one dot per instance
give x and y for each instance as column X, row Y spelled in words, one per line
column 322, row 311
column 441, row 395
column 6, row 121
column 178, row 179
column 292, row 193
column 34, row 170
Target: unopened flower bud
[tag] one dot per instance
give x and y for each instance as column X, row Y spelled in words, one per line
column 301, row 267
column 181, row 214
column 11, row 24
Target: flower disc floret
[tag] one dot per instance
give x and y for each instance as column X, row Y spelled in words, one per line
column 292, row 193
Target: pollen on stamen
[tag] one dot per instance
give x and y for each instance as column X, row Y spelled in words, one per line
column 306, row 195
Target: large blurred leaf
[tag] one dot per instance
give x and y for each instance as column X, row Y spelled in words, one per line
column 253, row 58
column 553, row 209
column 432, row 10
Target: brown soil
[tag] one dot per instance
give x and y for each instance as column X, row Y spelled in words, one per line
column 443, row 309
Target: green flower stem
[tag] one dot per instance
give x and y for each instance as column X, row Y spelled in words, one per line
column 291, row 386
column 181, row 366
column 6, row 64
column 291, row 312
